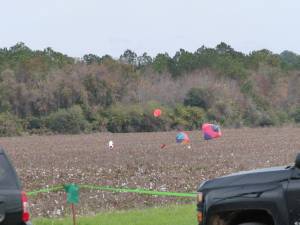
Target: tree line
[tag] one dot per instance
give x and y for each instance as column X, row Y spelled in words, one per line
column 45, row 91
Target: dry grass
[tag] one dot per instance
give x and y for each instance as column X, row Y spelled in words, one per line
column 138, row 161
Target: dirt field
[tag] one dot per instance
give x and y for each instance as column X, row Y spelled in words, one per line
column 137, row 161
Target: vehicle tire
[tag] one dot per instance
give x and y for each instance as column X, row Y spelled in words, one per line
column 252, row 223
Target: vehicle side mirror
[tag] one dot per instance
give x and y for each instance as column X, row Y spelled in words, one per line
column 297, row 161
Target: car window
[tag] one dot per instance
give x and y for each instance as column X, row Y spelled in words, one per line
column 7, row 176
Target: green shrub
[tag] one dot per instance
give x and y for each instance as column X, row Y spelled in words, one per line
column 69, row 120
column 254, row 117
column 96, row 118
column 283, row 117
column 136, row 118
column 187, row 117
column 34, row 123
column 139, row 118
column 99, row 124
column 267, row 119
column 198, row 97
column 296, row 115
column 9, row 125
column 117, row 119
column 226, row 113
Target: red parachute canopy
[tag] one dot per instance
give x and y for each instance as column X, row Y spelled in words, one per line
column 211, row 131
column 157, row 112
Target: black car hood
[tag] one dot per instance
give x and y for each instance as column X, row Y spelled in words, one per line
column 259, row 176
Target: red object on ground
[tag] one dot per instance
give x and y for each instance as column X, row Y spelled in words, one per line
column 157, row 112
column 163, row 145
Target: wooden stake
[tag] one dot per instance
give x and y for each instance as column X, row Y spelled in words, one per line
column 74, row 215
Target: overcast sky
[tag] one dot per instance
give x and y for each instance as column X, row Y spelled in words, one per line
column 77, row 27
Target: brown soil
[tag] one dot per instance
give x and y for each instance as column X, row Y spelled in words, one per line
column 138, row 161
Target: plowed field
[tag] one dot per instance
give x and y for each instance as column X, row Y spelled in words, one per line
column 137, row 161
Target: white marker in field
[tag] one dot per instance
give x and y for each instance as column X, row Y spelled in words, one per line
column 111, row 144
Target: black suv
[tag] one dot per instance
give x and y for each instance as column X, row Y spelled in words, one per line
column 14, row 208
column 260, row 197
